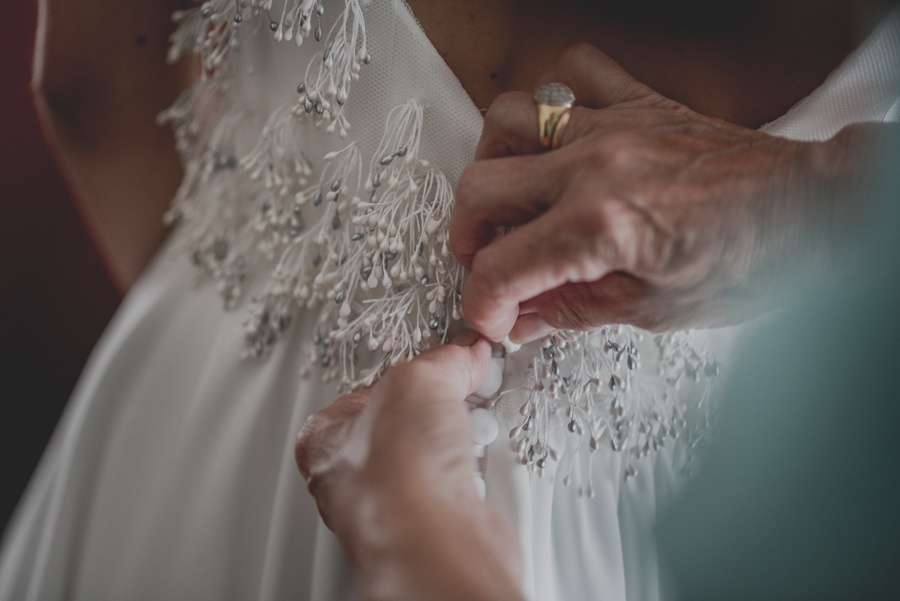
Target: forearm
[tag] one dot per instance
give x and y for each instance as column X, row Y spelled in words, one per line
column 841, row 205
column 859, row 153
column 418, row 548
column 100, row 79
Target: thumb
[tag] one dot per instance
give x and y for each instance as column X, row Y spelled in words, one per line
column 597, row 80
column 447, row 373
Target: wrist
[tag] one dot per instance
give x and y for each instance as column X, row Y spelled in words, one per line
column 846, row 172
column 410, row 546
column 813, row 228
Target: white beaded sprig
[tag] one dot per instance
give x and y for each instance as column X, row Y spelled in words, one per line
column 312, row 257
column 230, row 223
column 378, row 269
column 282, row 169
column 326, row 85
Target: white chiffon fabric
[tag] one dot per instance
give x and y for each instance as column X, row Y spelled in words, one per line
column 171, row 474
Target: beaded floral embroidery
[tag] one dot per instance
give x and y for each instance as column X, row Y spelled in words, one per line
column 363, row 242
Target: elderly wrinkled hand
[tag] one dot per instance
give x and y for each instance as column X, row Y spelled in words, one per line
column 648, row 213
column 391, row 469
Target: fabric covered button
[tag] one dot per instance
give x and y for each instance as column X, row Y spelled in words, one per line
column 484, row 426
column 491, row 385
column 510, row 346
column 480, row 487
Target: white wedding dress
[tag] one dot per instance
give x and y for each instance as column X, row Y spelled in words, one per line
column 171, row 474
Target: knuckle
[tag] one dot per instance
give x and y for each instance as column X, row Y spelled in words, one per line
column 301, row 456
column 487, row 271
column 471, row 306
column 594, row 219
column 447, row 353
column 349, row 406
column 477, row 312
column 592, row 263
column 577, row 54
column 311, row 427
column 454, row 242
column 507, row 124
column 612, row 151
column 315, row 485
column 497, row 116
column 320, row 428
column 467, row 188
column 627, row 87
column 667, row 260
column 661, row 103
column 606, row 226
column 303, row 444
column 489, row 295
column 622, row 150
column 438, row 368
column 623, row 239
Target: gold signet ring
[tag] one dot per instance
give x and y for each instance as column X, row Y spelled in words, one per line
column 554, row 103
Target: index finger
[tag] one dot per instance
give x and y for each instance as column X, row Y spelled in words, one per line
column 539, row 256
column 500, row 193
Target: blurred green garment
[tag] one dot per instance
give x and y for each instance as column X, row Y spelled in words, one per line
column 800, row 495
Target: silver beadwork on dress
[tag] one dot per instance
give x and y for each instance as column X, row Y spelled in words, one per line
column 588, row 384
column 362, row 242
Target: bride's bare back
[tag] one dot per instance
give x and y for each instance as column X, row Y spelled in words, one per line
column 744, row 64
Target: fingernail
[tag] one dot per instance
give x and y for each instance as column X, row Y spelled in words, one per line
column 467, row 338
column 530, row 327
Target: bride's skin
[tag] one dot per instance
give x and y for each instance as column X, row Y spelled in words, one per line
column 100, row 79
column 747, row 65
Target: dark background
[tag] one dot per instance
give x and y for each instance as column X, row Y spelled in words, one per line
column 55, row 296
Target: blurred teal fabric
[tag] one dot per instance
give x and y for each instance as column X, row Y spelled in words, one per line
column 799, row 497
